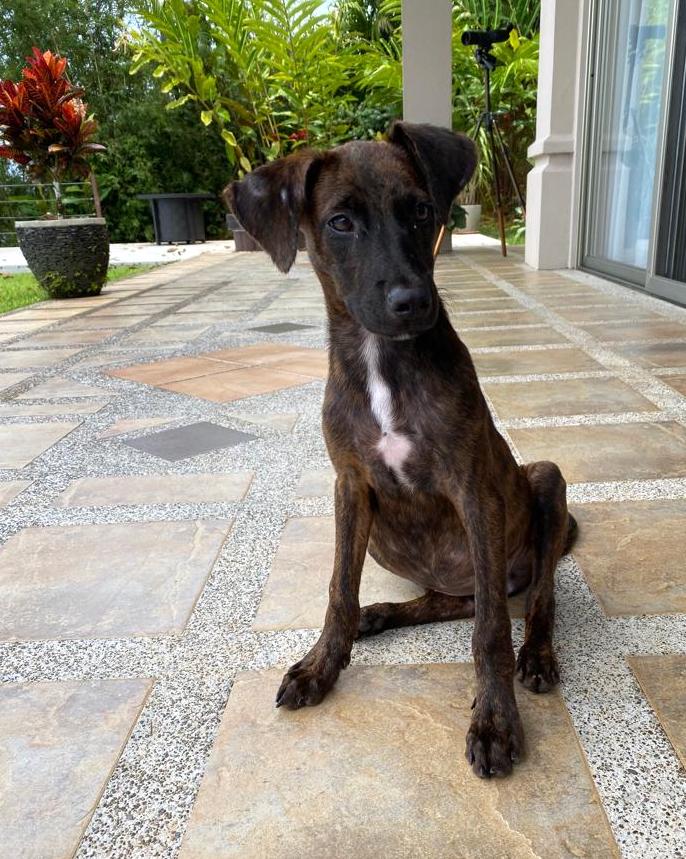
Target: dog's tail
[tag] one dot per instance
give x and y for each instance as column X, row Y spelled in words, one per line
column 572, row 533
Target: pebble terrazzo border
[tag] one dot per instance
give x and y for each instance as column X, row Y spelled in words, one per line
column 145, row 804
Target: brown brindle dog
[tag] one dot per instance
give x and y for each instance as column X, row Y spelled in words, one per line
column 425, row 483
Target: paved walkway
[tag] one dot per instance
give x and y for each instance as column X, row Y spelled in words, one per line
column 166, row 536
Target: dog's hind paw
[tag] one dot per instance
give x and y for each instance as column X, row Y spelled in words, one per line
column 373, row 620
column 537, row 668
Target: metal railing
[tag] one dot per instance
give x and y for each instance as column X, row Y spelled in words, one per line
column 22, row 201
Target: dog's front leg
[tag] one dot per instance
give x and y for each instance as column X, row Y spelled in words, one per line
column 495, row 736
column 308, row 681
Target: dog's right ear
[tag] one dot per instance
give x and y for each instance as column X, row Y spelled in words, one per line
column 269, row 204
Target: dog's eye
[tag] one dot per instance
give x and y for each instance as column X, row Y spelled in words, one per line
column 422, row 211
column 341, row 224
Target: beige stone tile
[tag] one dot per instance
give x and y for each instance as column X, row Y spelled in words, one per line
column 89, row 323
column 632, row 555
column 16, row 409
column 297, row 590
column 613, row 313
column 237, row 384
column 59, row 743
column 459, row 305
column 507, row 317
column 578, row 296
column 565, row 397
column 10, row 489
column 316, row 481
column 389, row 739
column 676, row 382
column 9, row 325
column 156, row 489
column 654, row 354
column 132, row 424
column 105, row 581
column 172, row 370
column 158, row 335
column 610, row 452
column 29, row 358
column 511, row 337
column 529, row 362
column 20, row 444
column 284, row 421
column 7, row 380
column 663, row 680
column 638, row 330
column 67, row 338
column 264, row 353
column 60, row 387
column 52, row 313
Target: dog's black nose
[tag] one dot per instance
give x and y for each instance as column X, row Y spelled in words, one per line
column 408, row 301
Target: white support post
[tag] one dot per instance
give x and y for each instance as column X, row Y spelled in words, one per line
column 550, row 184
column 427, row 65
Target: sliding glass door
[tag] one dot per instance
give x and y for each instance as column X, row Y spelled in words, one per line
column 630, row 58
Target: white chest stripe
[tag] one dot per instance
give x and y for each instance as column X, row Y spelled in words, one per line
column 393, row 447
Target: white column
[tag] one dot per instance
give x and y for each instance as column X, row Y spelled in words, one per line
column 427, row 61
column 427, row 65
column 550, row 184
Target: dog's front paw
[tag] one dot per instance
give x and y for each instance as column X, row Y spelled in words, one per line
column 537, row 668
column 372, row 620
column 495, row 740
column 306, row 683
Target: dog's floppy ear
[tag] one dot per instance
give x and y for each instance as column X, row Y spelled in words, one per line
column 445, row 159
column 269, row 203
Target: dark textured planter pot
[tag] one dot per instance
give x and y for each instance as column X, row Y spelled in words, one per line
column 68, row 257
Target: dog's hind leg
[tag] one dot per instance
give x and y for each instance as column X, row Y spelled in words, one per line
column 430, row 608
column 553, row 531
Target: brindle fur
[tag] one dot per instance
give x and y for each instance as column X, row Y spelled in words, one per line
column 461, row 517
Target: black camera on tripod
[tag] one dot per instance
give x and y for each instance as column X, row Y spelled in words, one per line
column 483, row 41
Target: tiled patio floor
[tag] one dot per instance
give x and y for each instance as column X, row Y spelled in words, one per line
column 165, row 543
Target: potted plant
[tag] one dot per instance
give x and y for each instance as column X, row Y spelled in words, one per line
column 472, row 208
column 45, row 129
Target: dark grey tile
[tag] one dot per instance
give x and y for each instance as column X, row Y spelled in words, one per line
column 280, row 327
column 192, row 440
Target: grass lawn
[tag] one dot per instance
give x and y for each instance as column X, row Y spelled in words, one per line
column 20, row 290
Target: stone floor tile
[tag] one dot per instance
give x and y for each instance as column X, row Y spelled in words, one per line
column 59, row 387
column 126, row 425
column 284, row 421
column 378, row 769
column 632, row 555
column 90, row 323
column 316, row 481
column 531, row 361
column 67, row 338
column 237, row 384
column 280, row 328
column 156, row 489
column 580, row 297
column 565, row 397
column 638, row 330
column 263, row 353
column 10, row 489
column 156, row 335
column 507, row 317
column 613, row 313
column 607, row 452
column 7, row 380
column 29, row 358
column 20, row 444
column 511, row 337
column 297, row 590
column 105, row 581
column 187, row 441
column 460, row 305
column 59, row 743
column 171, row 370
column 663, row 680
column 676, row 382
column 654, row 354
column 17, row 409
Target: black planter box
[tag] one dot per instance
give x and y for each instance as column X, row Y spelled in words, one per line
column 177, row 217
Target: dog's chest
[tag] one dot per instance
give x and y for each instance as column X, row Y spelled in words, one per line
column 394, row 448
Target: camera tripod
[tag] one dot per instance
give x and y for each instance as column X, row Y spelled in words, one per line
column 488, row 121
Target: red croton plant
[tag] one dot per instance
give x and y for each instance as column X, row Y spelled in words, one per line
column 43, row 123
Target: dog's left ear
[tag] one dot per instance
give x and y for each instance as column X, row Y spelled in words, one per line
column 269, row 204
column 445, row 159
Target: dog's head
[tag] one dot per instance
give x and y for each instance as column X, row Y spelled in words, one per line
column 371, row 212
